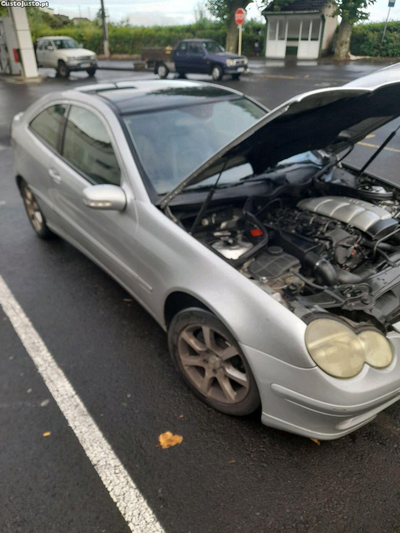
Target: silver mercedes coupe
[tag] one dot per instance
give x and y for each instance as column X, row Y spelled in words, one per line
column 273, row 265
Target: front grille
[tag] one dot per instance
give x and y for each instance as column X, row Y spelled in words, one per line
column 85, row 58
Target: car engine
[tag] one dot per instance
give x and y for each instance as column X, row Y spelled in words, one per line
column 316, row 252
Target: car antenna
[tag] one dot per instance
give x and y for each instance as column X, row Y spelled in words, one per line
column 375, row 155
column 207, row 201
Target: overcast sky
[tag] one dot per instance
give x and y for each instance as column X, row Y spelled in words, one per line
column 164, row 12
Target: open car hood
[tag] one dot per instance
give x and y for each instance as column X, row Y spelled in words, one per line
column 329, row 119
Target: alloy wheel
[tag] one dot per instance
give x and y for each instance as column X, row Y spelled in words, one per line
column 213, row 364
column 33, row 210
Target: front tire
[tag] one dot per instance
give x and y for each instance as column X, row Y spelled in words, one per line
column 62, row 69
column 162, row 71
column 217, row 73
column 212, row 363
column 236, row 76
column 35, row 215
column 91, row 72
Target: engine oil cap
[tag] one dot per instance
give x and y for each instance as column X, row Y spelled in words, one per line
column 275, row 250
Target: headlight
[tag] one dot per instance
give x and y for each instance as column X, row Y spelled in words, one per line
column 378, row 352
column 340, row 352
column 72, row 59
column 230, row 62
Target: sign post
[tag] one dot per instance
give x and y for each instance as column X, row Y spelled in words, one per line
column 392, row 3
column 240, row 15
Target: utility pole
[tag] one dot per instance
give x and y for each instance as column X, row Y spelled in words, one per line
column 105, row 31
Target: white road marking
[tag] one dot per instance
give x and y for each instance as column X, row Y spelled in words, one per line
column 116, row 479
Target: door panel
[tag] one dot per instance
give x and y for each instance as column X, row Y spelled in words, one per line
column 89, row 159
column 196, row 59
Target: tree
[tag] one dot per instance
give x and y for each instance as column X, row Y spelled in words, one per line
column 224, row 10
column 350, row 11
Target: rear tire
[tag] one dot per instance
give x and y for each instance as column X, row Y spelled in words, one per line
column 162, row 71
column 217, row 73
column 91, row 72
column 62, row 70
column 212, row 363
column 34, row 213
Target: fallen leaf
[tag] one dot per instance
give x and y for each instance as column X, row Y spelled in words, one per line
column 128, row 300
column 180, row 416
column 316, row 441
column 231, row 462
column 168, row 439
column 47, row 434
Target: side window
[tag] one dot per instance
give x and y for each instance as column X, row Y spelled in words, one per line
column 47, row 44
column 87, row 147
column 183, row 48
column 41, row 45
column 47, row 124
column 196, row 48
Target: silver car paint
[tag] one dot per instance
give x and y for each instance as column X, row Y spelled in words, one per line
column 152, row 257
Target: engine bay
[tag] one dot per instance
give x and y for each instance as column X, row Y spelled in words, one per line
column 316, row 244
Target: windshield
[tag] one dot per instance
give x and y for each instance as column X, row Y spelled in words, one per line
column 171, row 144
column 213, row 47
column 62, row 44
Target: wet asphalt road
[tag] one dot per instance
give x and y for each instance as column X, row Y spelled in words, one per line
column 228, row 474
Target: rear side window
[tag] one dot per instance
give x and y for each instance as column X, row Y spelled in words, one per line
column 196, row 48
column 182, row 48
column 88, row 148
column 47, row 124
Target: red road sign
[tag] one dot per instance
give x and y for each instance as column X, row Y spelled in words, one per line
column 240, row 16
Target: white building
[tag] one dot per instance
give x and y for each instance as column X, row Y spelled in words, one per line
column 302, row 28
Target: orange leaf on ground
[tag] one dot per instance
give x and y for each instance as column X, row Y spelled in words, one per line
column 168, row 439
column 47, row 434
column 316, row 441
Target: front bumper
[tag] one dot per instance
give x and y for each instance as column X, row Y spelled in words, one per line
column 236, row 69
column 309, row 402
column 84, row 65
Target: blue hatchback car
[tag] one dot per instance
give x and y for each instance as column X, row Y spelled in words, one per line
column 204, row 56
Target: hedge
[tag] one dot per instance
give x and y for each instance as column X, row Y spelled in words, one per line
column 367, row 40
column 126, row 39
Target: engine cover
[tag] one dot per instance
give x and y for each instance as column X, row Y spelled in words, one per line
column 364, row 216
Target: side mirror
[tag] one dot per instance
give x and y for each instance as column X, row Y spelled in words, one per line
column 50, row 48
column 104, row 197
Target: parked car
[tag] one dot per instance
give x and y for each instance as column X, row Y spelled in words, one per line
column 65, row 55
column 273, row 266
column 196, row 56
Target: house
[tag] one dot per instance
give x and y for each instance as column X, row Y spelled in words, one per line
column 302, row 28
column 79, row 20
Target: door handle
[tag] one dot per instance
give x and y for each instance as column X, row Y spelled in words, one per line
column 55, row 176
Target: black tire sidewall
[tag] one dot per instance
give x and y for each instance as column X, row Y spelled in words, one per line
column 91, row 72
column 221, row 72
column 202, row 317
column 163, row 77
column 62, row 64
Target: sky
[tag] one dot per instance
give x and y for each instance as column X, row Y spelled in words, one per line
column 165, row 12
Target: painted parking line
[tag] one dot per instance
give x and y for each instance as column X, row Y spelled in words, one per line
column 113, row 474
column 369, row 145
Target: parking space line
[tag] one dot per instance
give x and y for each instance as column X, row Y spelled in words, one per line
column 113, row 474
column 369, row 145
